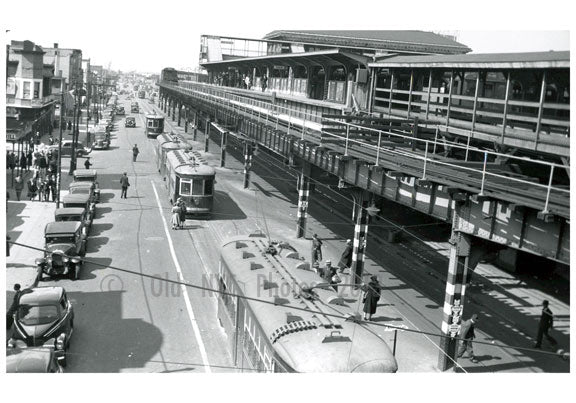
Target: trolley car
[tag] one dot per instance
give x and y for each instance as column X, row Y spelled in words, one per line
column 154, row 125
column 275, row 337
column 191, row 179
column 166, row 143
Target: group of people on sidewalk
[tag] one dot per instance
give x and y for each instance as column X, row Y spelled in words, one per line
column 44, row 166
column 372, row 293
column 178, row 214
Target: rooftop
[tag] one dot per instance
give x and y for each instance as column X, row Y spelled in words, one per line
column 526, row 59
column 373, row 38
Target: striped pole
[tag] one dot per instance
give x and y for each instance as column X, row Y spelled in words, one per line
column 186, row 113
column 206, row 135
column 247, row 163
column 303, row 195
column 360, row 234
column 454, row 297
column 223, row 142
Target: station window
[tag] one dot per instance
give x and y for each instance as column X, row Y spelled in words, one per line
column 185, row 187
column 36, row 90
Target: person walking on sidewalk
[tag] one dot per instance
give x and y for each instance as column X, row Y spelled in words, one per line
column 124, row 183
column 42, row 165
column 546, row 323
column 50, row 188
column 467, row 335
column 18, row 186
column 32, row 189
column 316, row 249
column 135, row 152
column 28, row 159
column 346, row 258
column 24, row 164
column 371, row 297
column 175, row 221
column 182, row 205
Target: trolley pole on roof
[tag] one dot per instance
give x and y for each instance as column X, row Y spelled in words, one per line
column 223, row 143
column 247, row 163
column 206, row 135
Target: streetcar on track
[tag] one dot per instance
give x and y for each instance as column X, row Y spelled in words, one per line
column 190, row 178
column 154, row 125
column 273, row 336
column 166, row 143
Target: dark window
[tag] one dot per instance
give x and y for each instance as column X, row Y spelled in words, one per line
column 208, row 186
column 197, row 187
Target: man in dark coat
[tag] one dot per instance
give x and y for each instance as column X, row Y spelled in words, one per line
column 124, row 183
column 25, row 161
column 346, row 258
column 546, row 323
column 316, row 249
column 87, row 163
column 467, row 335
column 135, row 152
column 182, row 205
column 371, row 297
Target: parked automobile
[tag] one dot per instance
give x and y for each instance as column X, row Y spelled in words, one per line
column 44, row 318
column 101, row 141
column 79, row 214
column 32, row 360
column 88, row 188
column 130, row 121
column 67, row 149
column 88, row 175
column 80, row 200
column 65, row 243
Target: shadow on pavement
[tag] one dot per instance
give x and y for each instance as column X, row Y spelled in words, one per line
column 113, row 342
column 225, row 208
column 97, row 229
column 92, row 264
column 94, row 244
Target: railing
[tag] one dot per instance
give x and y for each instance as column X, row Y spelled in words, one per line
column 308, row 126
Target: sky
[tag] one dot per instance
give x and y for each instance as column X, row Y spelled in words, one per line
column 148, row 36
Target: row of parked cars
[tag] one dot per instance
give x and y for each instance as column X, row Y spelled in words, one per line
column 43, row 322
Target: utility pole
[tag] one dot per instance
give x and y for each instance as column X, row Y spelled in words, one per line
column 59, row 177
column 74, row 131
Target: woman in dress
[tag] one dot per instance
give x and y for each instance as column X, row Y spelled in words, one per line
column 175, row 216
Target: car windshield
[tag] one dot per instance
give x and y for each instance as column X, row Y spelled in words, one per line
column 84, row 179
column 81, row 190
column 60, row 239
column 70, row 218
column 32, row 315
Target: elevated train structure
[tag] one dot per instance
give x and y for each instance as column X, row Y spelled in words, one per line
column 481, row 141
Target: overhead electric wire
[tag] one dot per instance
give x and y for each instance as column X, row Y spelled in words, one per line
column 298, row 308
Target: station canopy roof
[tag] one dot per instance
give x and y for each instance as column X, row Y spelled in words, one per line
column 550, row 59
column 329, row 56
column 403, row 41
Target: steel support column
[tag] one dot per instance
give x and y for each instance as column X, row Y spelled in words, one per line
column 303, row 196
column 460, row 245
column 186, row 114
column 224, row 140
column 179, row 114
column 360, row 236
column 206, row 135
column 195, row 127
column 247, row 163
